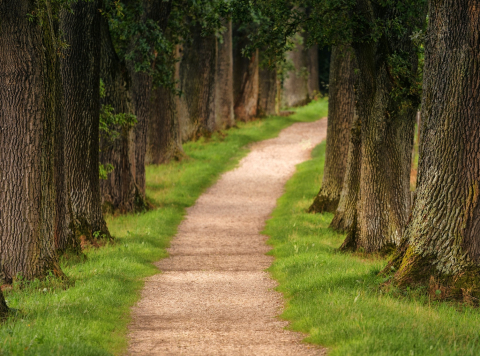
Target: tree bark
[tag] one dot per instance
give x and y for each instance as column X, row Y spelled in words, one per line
column 295, row 86
column 197, row 83
column 345, row 218
column 267, row 91
column 119, row 192
column 245, row 79
column 30, row 101
column 441, row 242
column 164, row 142
column 224, row 115
column 341, row 110
column 163, row 133
column 387, row 131
column 81, row 85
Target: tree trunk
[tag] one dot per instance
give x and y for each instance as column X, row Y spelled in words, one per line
column 267, row 91
column 164, row 142
column 81, row 85
column 442, row 238
column 312, row 67
column 224, row 115
column 30, row 101
column 295, row 86
column 387, row 131
column 119, row 191
column 341, row 110
column 345, row 218
column 197, row 83
column 163, row 133
column 245, row 79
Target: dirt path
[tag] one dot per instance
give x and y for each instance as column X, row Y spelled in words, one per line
column 214, row 297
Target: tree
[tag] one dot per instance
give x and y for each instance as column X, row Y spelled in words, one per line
column 341, row 110
column 295, row 85
column 441, row 243
column 119, row 192
column 197, row 83
column 224, row 115
column 81, row 94
column 245, row 77
column 267, row 91
column 30, row 98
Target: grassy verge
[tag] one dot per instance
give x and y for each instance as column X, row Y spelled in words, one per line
column 335, row 298
column 89, row 316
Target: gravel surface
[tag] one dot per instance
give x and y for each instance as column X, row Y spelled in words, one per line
column 214, row 297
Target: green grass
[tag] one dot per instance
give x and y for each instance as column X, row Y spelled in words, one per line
column 335, row 297
column 91, row 316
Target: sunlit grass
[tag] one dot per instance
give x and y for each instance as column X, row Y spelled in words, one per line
column 89, row 314
column 335, row 297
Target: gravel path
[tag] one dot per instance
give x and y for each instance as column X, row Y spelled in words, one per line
column 214, row 297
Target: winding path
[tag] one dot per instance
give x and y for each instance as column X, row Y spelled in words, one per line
column 214, row 297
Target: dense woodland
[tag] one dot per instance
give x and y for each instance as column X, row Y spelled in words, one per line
column 93, row 91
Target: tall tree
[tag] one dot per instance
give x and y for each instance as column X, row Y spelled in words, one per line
column 119, row 192
column 197, row 83
column 224, row 115
column 267, row 91
column 295, row 85
column 245, row 77
column 30, row 101
column 341, row 109
column 81, row 88
column 441, row 244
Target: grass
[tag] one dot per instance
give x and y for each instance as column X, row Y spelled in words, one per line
column 335, row 297
column 89, row 314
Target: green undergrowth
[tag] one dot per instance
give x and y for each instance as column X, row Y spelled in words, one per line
column 89, row 314
column 335, row 297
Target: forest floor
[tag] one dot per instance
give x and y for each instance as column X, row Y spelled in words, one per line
column 213, row 296
column 88, row 313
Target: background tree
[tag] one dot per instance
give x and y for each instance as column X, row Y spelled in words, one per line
column 224, row 114
column 30, row 98
column 245, row 76
column 441, row 243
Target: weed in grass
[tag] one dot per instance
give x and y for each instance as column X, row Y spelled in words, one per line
column 336, row 297
column 90, row 315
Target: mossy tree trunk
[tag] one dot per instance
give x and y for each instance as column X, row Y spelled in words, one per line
column 197, row 82
column 387, row 131
column 224, row 115
column 341, row 110
column 442, row 239
column 245, row 79
column 30, row 102
column 81, row 88
column 119, row 191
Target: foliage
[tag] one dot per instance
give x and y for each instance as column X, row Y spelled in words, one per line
column 89, row 314
column 335, row 297
column 146, row 34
